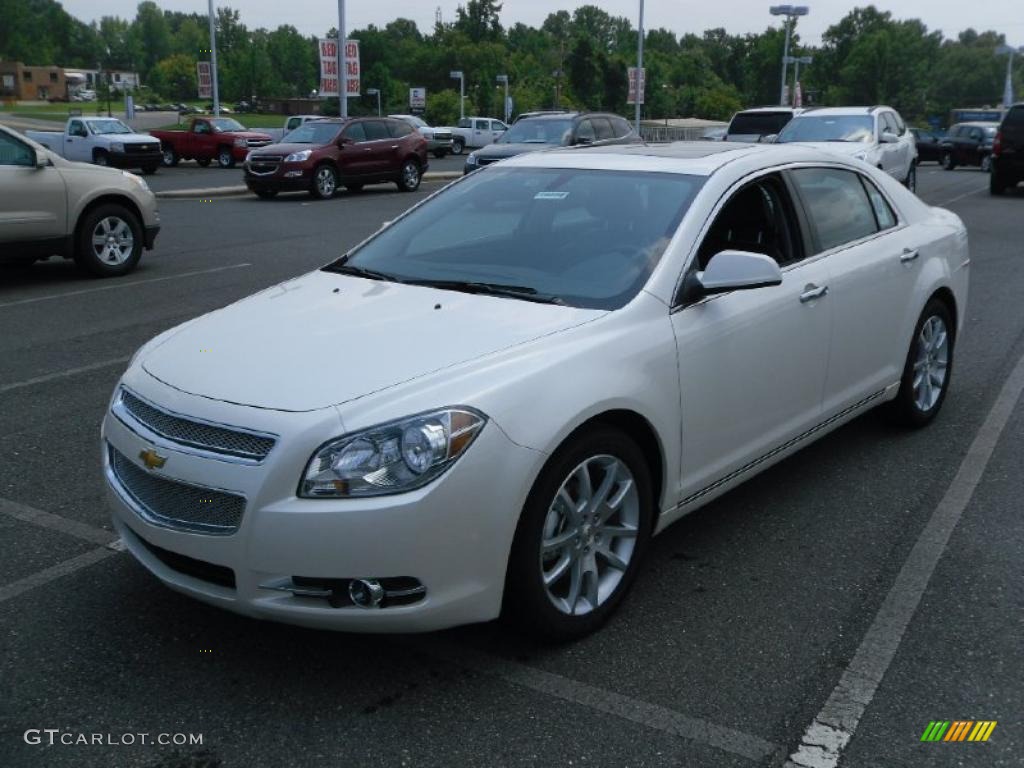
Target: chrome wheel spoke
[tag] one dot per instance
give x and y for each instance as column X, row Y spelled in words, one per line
column 612, row 559
column 619, row 532
column 559, row 542
column 560, row 569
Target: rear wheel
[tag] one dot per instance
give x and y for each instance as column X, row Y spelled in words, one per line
column 986, row 163
column 457, row 146
column 947, row 161
column 325, row 183
column 225, row 157
column 996, row 183
column 409, row 180
column 582, row 534
column 170, row 157
column 928, row 368
column 109, row 241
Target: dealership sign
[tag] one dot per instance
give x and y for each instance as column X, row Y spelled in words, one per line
column 417, row 98
column 204, row 76
column 636, row 85
column 329, row 73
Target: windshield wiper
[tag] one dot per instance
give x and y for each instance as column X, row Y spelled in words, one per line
column 489, row 289
column 341, row 268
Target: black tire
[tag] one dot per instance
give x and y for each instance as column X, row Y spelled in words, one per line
column 947, row 161
column 354, row 188
column 99, row 157
column 527, row 603
column 204, row 162
column 440, row 153
column 996, row 184
column 266, row 194
column 324, row 183
column 905, row 408
column 225, row 157
column 410, row 176
column 986, row 164
column 911, row 181
column 149, row 170
column 86, row 256
column 170, row 157
column 458, row 145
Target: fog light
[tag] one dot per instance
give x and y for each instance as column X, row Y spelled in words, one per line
column 366, row 593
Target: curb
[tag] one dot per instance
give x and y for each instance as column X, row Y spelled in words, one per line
column 236, row 191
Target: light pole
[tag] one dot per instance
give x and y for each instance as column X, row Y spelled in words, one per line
column 342, row 68
column 1008, row 50
column 457, row 74
column 639, row 67
column 790, row 12
column 375, row 92
column 796, row 61
column 213, row 61
column 504, row 79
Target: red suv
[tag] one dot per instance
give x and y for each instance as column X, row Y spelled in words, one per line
column 321, row 155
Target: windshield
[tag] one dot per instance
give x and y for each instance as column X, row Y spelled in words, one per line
column 102, row 127
column 758, row 123
column 829, row 128
column 313, row 133
column 540, row 131
column 221, row 124
column 586, row 238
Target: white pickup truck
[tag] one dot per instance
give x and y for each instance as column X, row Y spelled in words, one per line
column 103, row 141
column 474, row 132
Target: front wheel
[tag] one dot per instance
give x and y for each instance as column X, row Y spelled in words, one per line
column 409, row 180
column 928, row 368
column 109, row 241
column 325, row 183
column 101, row 158
column 169, row 157
column 583, row 531
column 457, row 146
column 225, row 157
column 996, row 184
column 947, row 161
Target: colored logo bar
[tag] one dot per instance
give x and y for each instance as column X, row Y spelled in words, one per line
column 959, row 730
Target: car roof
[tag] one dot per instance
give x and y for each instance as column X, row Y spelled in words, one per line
column 754, row 110
column 815, row 111
column 980, row 123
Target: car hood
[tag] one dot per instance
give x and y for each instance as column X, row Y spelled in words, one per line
column 284, row 149
column 246, row 134
column 324, row 339
column 510, row 150
column 131, row 138
column 848, row 148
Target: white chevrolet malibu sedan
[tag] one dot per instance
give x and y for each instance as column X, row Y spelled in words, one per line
column 492, row 404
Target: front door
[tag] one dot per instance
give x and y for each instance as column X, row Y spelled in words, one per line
column 76, row 142
column 753, row 362
column 33, row 201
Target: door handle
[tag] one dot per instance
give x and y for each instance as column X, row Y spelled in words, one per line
column 812, row 292
column 909, row 254
column 394, row 146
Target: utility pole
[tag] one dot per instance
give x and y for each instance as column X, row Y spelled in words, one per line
column 342, row 64
column 639, row 68
column 504, row 79
column 790, row 12
column 458, row 74
column 213, row 61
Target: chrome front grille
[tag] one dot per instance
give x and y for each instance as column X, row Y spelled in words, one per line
column 174, row 504
column 442, row 136
column 264, row 165
column 195, row 434
column 256, row 143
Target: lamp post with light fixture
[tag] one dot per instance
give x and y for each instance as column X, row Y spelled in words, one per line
column 790, row 12
column 1009, row 51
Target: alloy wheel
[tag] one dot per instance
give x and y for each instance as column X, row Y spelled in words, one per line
column 589, row 535
column 112, row 241
column 932, row 363
column 410, row 175
column 325, row 182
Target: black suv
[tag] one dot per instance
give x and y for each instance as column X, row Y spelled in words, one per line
column 1008, row 151
column 567, row 129
column 968, row 144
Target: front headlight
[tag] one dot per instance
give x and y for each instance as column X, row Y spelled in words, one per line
column 299, row 157
column 427, row 135
column 137, row 179
column 861, row 156
column 117, row 146
column 241, row 142
column 471, row 160
column 391, row 458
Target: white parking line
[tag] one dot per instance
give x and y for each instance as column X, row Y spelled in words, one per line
column 117, row 284
column 640, row 712
column 83, row 531
column 55, row 572
column 63, row 374
column 836, row 723
column 960, row 197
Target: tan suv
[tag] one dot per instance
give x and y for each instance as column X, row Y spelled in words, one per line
column 100, row 217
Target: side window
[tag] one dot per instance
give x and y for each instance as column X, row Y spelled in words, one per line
column 376, row 130
column 760, row 219
column 294, row 123
column 837, row 206
column 622, row 128
column 901, row 127
column 497, row 125
column 77, row 128
column 1014, row 117
column 13, row 152
column 481, row 125
column 889, row 124
column 884, row 215
column 201, row 127
column 398, row 129
column 975, row 134
column 355, row 132
column 464, row 123
column 603, row 129
column 585, row 132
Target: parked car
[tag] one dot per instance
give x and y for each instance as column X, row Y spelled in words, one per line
column 754, row 125
column 102, row 218
column 321, row 155
column 439, row 140
column 84, row 94
column 1008, row 151
column 876, row 135
column 475, row 132
column 568, row 129
column 103, row 141
column 492, row 404
column 204, row 139
column 244, row 106
column 968, row 144
column 928, row 145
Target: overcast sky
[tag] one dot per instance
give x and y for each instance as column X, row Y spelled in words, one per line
column 737, row 16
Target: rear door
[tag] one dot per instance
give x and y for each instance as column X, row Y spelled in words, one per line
column 604, row 130
column 972, row 145
column 33, row 201
column 381, row 149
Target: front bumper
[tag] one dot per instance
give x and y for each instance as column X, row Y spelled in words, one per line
column 286, row 178
column 453, row 535
column 135, row 159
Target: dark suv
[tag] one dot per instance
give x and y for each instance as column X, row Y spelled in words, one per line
column 968, row 144
column 1008, row 151
column 321, row 155
column 557, row 129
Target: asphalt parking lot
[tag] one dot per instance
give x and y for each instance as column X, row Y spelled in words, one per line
column 746, row 617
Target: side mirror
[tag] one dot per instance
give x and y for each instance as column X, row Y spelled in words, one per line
column 889, row 138
column 581, row 140
column 771, row 138
column 41, row 160
column 731, row 271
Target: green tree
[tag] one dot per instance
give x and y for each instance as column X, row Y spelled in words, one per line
column 175, row 77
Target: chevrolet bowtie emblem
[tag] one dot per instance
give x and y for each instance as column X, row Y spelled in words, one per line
column 152, row 459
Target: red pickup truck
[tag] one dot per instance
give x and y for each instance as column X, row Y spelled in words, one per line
column 210, row 138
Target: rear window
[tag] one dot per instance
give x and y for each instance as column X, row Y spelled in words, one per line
column 376, row 130
column 603, row 128
column 1015, row 117
column 399, row 129
column 760, row 123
